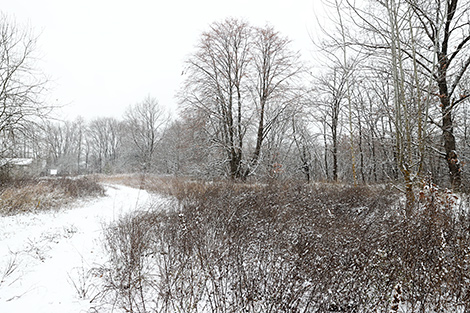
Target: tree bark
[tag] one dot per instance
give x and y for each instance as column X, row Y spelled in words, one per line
column 448, row 124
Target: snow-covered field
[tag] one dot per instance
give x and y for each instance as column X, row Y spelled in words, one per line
column 45, row 259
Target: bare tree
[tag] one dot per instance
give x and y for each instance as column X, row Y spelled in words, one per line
column 445, row 30
column 103, row 142
column 145, row 123
column 305, row 144
column 244, row 79
column 21, row 85
column 429, row 45
column 80, row 129
column 332, row 87
column 217, row 74
column 63, row 142
column 276, row 69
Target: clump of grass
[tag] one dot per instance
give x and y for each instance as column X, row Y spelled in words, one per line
column 165, row 185
column 31, row 195
column 75, row 188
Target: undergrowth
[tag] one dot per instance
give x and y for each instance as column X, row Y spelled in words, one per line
column 228, row 247
column 32, row 195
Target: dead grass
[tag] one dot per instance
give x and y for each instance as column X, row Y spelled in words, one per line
column 32, row 195
column 165, row 185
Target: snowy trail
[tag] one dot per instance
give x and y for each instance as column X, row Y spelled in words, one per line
column 47, row 252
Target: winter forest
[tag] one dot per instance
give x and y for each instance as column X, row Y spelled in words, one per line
column 336, row 182
column 384, row 100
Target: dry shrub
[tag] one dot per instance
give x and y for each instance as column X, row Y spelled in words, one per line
column 44, row 194
column 254, row 248
column 130, row 272
column 293, row 248
column 176, row 186
column 77, row 187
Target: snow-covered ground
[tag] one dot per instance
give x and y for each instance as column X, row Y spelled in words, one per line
column 45, row 258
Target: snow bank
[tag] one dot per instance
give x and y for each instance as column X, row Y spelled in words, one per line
column 44, row 257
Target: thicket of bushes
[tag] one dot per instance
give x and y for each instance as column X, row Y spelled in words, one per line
column 298, row 248
column 30, row 195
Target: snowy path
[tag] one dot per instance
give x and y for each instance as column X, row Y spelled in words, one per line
column 49, row 251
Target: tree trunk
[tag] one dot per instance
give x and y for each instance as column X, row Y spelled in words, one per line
column 235, row 163
column 334, row 137
column 448, row 124
column 335, row 159
column 327, row 174
column 451, row 154
column 259, row 136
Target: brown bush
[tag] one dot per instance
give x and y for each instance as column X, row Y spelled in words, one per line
column 293, row 248
column 238, row 247
column 29, row 195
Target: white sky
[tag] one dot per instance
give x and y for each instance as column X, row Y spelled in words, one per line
column 103, row 55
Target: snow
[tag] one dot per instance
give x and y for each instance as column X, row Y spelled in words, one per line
column 45, row 259
column 16, row 161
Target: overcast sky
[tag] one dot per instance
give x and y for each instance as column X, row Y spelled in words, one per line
column 103, row 55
